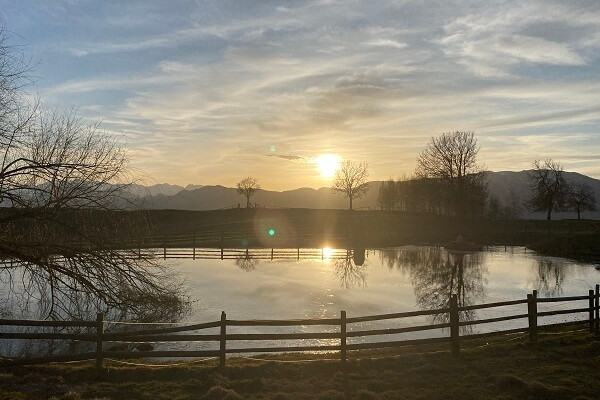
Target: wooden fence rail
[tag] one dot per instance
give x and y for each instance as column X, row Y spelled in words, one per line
column 223, row 337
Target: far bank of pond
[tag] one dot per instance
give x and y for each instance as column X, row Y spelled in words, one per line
column 362, row 228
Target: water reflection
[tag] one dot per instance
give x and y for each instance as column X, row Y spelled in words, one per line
column 246, row 262
column 27, row 293
column 350, row 272
column 436, row 275
column 304, row 284
column 550, row 277
column 358, row 256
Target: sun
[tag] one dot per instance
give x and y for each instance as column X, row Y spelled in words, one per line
column 328, row 164
column 327, row 253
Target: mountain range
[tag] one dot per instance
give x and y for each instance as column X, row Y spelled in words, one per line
column 506, row 186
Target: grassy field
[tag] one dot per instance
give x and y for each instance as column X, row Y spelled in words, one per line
column 562, row 365
column 349, row 229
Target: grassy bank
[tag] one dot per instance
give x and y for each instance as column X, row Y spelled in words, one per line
column 562, row 365
column 343, row 228
column 580, row 247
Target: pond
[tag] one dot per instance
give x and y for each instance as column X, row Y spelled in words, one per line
column 388, row 281
column 319, row 283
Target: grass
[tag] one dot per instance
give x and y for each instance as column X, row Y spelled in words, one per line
column 581, row 247
column 562, row 365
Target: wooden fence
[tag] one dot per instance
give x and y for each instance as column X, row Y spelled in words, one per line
column 173, row 334
column 220, row 239
column 245, row 254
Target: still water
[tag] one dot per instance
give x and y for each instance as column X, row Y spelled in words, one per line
column 388, row 281
column 251, row 285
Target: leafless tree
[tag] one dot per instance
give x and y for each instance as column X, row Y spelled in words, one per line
column 351, row 180
column 449, row 156
column 581, row 198
column 248, row 187
column 549, row 188
column 61, row 233
column 451, row 160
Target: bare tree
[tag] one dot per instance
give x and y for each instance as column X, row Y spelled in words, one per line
column 351, row 180
column 62, row 236
column 549, row 188
column 451, row 159
column 581, row 198
column 248, row 187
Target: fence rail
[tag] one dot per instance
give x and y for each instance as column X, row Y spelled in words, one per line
column 248, row 253
column 100, row 337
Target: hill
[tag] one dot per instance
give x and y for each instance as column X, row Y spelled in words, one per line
column 507, row 186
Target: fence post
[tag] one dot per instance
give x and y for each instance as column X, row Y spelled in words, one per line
column 222, row 244
column 99, row 332
column 194, row 247
column 597, row 307
column 591, row 307
column 165, row 247
column 271, row 254
column 343, row 336
column 454, row 327
column 532, row 315
column 223, row 339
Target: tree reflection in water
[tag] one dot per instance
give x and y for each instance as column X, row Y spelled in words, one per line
column 351, row 269
column 436, row 275
column 246, row 262
column 550, row 277
column 25, row 293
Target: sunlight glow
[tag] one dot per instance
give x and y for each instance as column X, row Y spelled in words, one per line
column 327, row 253
column 328, row 164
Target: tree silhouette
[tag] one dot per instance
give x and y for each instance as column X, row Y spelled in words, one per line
column 248, row 187
column 581, row 198
column 451, row 160
column 549, row 188
column 60, row 185
column 351, row 180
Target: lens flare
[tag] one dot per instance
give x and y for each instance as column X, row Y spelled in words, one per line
column 271, row 232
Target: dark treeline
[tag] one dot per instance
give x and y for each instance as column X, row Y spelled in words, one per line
column 447, row 180
column 432, row 196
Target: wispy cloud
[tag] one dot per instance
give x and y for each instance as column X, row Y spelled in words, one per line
column 203, row 90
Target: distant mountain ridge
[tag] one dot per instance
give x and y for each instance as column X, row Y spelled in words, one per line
column 506, row 186
column 165, row 189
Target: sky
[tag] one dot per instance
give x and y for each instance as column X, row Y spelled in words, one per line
column 208, row 92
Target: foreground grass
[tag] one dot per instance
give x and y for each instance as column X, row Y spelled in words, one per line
column 559, row 366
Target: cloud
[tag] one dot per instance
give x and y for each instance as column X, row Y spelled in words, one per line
column 387, row 43
column 289, row 157
column 538, row 50
column 200, row 89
